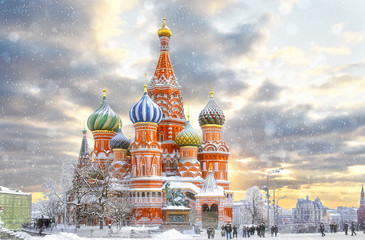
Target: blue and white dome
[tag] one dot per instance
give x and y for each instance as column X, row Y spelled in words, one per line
column 119, row 141
column 145, row 110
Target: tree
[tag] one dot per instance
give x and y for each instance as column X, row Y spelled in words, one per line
column 120, row 207
column 107, row 197
column 51, row 204
column 253, row 207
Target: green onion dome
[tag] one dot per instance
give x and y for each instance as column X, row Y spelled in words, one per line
column 119, row 140
column 211, row 114
column 188, row 137
column 104, row 118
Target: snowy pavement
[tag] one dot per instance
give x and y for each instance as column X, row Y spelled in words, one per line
column 173, row 234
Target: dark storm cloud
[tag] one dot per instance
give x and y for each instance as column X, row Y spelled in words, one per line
column 39, row 69
column 268, row 91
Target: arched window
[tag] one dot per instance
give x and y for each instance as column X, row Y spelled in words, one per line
column 161, row 137
column 143, row 170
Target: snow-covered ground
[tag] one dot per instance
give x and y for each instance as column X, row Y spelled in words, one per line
column 173, row 234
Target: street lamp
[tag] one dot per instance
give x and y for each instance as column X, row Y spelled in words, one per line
column 268, row 195
column 277, row 205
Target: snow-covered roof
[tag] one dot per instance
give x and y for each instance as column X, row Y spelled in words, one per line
column 11, row 191
column 176, row 207
column 185, row 186
column 210, row 187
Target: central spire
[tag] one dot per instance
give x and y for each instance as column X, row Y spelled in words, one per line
column 164, row 73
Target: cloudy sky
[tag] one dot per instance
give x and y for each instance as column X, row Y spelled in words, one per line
column 289, row 75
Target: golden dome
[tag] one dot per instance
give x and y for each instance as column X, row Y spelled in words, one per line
column 164, row 31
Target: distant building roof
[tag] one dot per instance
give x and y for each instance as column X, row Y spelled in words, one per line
column 11, row 191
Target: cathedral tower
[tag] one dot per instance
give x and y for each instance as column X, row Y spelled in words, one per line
column 120, row 144
column 164, row 90
column 103, row 123
column 213, row 151
column 84, row 156
column 188, row 140
column 146, row 163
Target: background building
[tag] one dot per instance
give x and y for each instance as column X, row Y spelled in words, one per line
column 16, row 207
column 307, row 211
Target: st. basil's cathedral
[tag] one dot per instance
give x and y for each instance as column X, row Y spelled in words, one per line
column 165, row 148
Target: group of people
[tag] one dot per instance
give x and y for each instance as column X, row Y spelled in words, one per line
column 274, row 230
column 231, row 232
column 333, row 228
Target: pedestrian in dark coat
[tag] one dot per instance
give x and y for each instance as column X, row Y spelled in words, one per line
column 228, row 229
column 208, row 232
column 353, row 229
column 234, row 231
column 223, row 231
column 258, row 230
column 272, row 230
column 346, row 228
column 276, row 229
column 262, row 229
column 321, row 228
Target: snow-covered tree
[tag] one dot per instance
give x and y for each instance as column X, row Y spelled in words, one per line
column 119, row 205
column 51, row 204
column 253, row 210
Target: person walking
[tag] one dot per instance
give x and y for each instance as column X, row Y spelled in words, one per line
column 346, row 227
column 235, row 231
column 262, row 229
column 276, row 229
column 272, row 230
column 212, row 232
column 223, row 231
column 353, row 229
column 228, row 229
column 208, row 232
column 321, row 228
column 244, row 232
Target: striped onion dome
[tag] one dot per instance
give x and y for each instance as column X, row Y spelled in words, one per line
column 188, row 137
column 145, row 110
column 104, row 118
column 119, row 140
column 211, row 114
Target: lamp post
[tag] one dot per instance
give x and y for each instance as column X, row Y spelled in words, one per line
column 277, row 205
column 268, row 194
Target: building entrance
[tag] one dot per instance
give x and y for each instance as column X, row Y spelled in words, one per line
column 210, row 216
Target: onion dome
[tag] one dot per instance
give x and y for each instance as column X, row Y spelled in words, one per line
column 164, row 31
column 104, row 118
column 119, row 140
column 145, row 110
column 188, row 137
column 211, row 114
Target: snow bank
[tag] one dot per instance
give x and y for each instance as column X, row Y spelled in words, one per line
column 63, row 236
column 172, row 234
